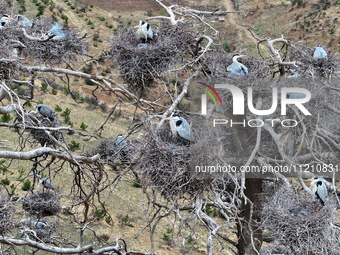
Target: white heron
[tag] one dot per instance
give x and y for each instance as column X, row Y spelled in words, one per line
column 237, row 68
column 144, row 31
column 320, row 52
column 180, row 126
column 318, row 187
column 45, row 111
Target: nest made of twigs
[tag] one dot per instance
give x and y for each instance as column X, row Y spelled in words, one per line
column 44, row 234
column 113, row 154
column 6, row 212
column 323, row 67
column 170, row 167
column 42, row 204
column 141, row 67
column 308, row 233
column 45, row 138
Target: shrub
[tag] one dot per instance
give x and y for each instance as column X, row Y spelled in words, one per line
column 57, row 108
column 26, row 186
column 6, row 118
column 74, row 145
column 44, row 86
column 5, row 181
column 83, row 126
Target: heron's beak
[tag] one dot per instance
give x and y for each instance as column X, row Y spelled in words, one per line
column 168, row 118
column 11, row 18
column 138, row 26
column 242, row 56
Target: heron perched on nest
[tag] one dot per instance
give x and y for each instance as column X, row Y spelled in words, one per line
column 319, row 52
column 45, row 111
column 237, row 68
column 46, row 183
column 180, row 126
column 22, row 20
column 120, row 141
column 318, row 187
column 5, row 19
column 57, row 31
column 144, row 31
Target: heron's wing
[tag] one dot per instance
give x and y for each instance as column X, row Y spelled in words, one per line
column 120, row 141
column 319, row 53
column 58, row 32
column 184, row 130
column 322, row 192
column 150, row 33
column 237, row 69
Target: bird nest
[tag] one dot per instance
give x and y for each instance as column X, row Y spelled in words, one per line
column 44, row 234
column 216, row 62
column 44, row 137
column 324, row 67
column 141, row 67
column 170, row 168
column 6, row 212
column 114, row 155
column 305, row 233
column 42, row 204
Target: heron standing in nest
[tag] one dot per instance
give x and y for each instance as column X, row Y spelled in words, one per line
column 237, row 68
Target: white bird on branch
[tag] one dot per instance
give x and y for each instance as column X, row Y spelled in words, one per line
column 46, row 183
column 237, row 68
column 144, row 31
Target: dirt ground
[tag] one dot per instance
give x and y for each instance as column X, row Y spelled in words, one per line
column 126, row 5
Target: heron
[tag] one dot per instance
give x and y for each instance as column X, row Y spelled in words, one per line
column 5, row 19
column 320, row 52
column 39, row 224
column 46, row 183
column 144, row 31
column 237, row 68
column 297, row 212
column 57, row 31
column 180, row 126
column 318, row 187
column 22, row 20
column 120, row 141
column 45, row 111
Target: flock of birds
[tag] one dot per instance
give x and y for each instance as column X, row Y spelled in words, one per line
column 56, row 32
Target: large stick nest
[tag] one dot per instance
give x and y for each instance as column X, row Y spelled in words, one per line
column 6, row 212
column 42, row 52
column 308, row 233
column 44, row 137
column 170, row 168
column 42, row 204
column 113, row 154
column 141, row 67
column 323, row 67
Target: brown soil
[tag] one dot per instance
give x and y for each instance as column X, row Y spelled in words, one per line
column 126, row 5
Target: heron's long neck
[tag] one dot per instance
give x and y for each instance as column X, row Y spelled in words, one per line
column 235, row 59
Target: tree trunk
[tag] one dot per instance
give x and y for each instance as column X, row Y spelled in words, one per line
column 248, row 228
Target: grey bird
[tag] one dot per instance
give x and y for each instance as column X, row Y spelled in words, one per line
column 237, row 68
column 320, row 52
column 144, row 31
column 22, row 20
column 180, row 126
column 45, row 111
column 38, row 225
column 298, row 212
column 318, row 187
column 120, row 141
column 46, row 183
